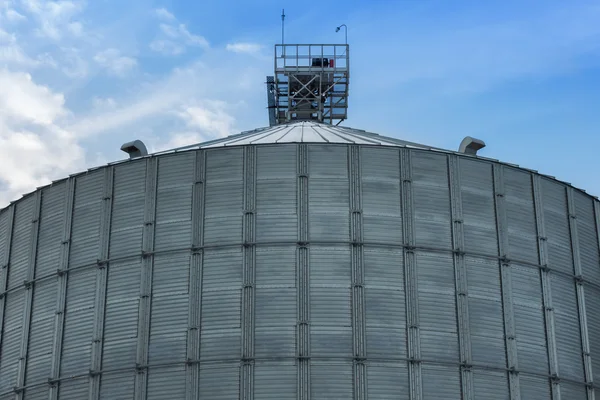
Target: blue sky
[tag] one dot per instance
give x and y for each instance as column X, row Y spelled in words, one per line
column 79, row 78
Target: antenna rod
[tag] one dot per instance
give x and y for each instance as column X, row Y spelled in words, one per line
column 282, row 24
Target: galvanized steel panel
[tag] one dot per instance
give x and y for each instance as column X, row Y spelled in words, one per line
column 477, row 195
column 556, row 221
column 330, row 381
column 485, row 313
column 121, row 315
column 534, row 387
column 39, row 357
column 51, row 230
column 588, row 238
column 117, row 386
column 174, row 202
column 572, row 391
column 431, row 197
column 39, row 392
column 592, row 308
column 73, row 389
column 221, row 309
column 224, row 195
column 520, row 216
column 330, row 267
column 388, row 381
column 127, row 216
column 330, row 311
column 327, row 161
column 276, row 218
column 568, row 336
column 275, row 307
column 437, row 307
column 276, row 267
column 166, row 383
column 42, row 330
column 168, row 329
column 529, row 319
column 219, row 344
column 222, row 269
column 85, row 231
column 21, row 243
column 276, row 162
column 440, row 381
column 328, row 206
column 275, row 381
column 11, row 340
column 276, row 195
column 275, row 302
column 4, row 231
column 492, row 385
column 382, row 216
column 171, row 274
column 219, row 381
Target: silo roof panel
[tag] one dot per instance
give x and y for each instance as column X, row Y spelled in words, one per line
column 306, row 132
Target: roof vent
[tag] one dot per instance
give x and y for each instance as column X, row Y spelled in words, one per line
column 471, row 145
column 135, row 149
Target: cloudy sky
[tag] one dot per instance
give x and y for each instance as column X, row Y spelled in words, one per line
column 79, row 78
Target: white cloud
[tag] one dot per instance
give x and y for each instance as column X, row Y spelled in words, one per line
column 167, row 47
column 6, row 37
column 164, row 14
column 14, row 16
column 54, row 17
column 101, row 103
column 34, row 147
column 174, row 37
column 242, row 47
column 210, row 117
column 76, row 28
column 114, row 62
column 179, row 139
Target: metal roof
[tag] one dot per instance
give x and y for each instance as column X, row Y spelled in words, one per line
column 305, row 132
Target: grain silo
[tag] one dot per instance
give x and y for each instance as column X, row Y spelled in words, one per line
column 301, row 261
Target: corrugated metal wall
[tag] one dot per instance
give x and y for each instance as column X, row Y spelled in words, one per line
column 301, row 272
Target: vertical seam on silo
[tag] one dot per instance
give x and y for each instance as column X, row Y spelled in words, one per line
column 29, row 286
column 546, row 288
column 195, row 291
column 585, row 343
column 460, row 274
column 59, row 320
column 410, row 278
column 506, row 282
column 5, row 266
column 147, row 266
column 357, row 287
column 101, row 281
column 303, row 278
column 597, row 233
column 249, row 264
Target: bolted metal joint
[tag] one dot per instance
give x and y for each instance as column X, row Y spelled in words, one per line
column 141, row 368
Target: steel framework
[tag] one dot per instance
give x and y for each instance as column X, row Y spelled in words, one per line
column 311, row 83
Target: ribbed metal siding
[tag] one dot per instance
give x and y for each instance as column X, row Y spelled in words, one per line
column 503, row 286
column 45, row 290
